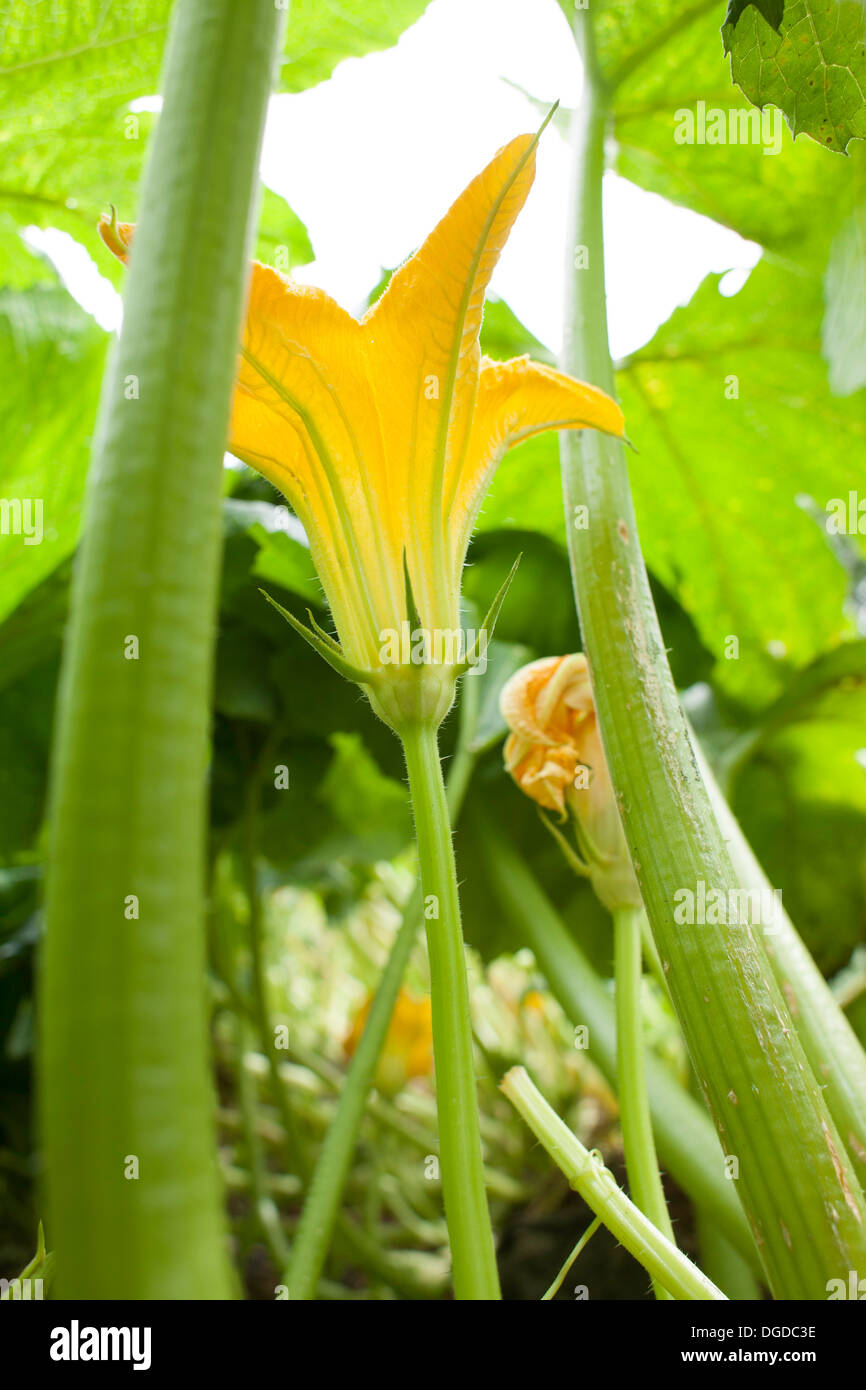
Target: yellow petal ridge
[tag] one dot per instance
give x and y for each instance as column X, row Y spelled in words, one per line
column 516, row 400
column 424, row 334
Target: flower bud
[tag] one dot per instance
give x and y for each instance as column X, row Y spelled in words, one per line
column 555, row 755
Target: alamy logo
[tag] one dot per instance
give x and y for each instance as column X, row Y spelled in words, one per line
column 854, row 1289
column 846, row 517
column 22, row 516
column 76, row 1343
column 21, row 1289
column 721, row 126
column 732, row 907
column 442, row 647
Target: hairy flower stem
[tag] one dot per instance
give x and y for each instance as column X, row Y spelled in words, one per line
column 470, row 1235
column 637, row 1133
column 586, row 1173
column 334, row 1160
column 780, row 1144
column 126, row 1092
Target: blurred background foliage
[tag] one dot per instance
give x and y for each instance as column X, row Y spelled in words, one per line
column 731, row 490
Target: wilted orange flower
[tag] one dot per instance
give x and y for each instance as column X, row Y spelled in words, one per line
column 408, row 1049
column 384, row 432
column 555, row 755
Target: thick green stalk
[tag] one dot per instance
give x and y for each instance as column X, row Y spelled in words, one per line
column 334, row 1160
column 720, row 1261
column 586, row 1173
column 126, row 1093
column 687, row 1145
column 637, row 1132
column 469, row 1232
column 794, row 1177
column 829, row 1041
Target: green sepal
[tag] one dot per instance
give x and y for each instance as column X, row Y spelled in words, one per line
column 40, row 1267
column 490, row 621
column 411, row 606
column 321, row 642
column 571, row 855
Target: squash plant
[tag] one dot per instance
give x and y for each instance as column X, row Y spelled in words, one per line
column 164, row 827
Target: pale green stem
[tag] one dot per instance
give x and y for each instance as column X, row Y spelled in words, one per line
column 334, row 1160
column 597, row 1186
column 637, row 1133
column 470, row 1235
column 266, row 1210
column 126, row 1091
column 249, row 855
column 779, row 1142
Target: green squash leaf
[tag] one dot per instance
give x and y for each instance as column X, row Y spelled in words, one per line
column 51, row 359
column 661, row 61
column 772, row 10
column 813, row 67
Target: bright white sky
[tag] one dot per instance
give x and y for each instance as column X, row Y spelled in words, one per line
column 371, row 159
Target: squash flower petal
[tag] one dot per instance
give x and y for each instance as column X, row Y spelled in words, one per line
column 384, row 433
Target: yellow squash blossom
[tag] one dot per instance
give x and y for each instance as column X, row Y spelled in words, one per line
column 555, row 755
column 384, row 433
column 408, row 1049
